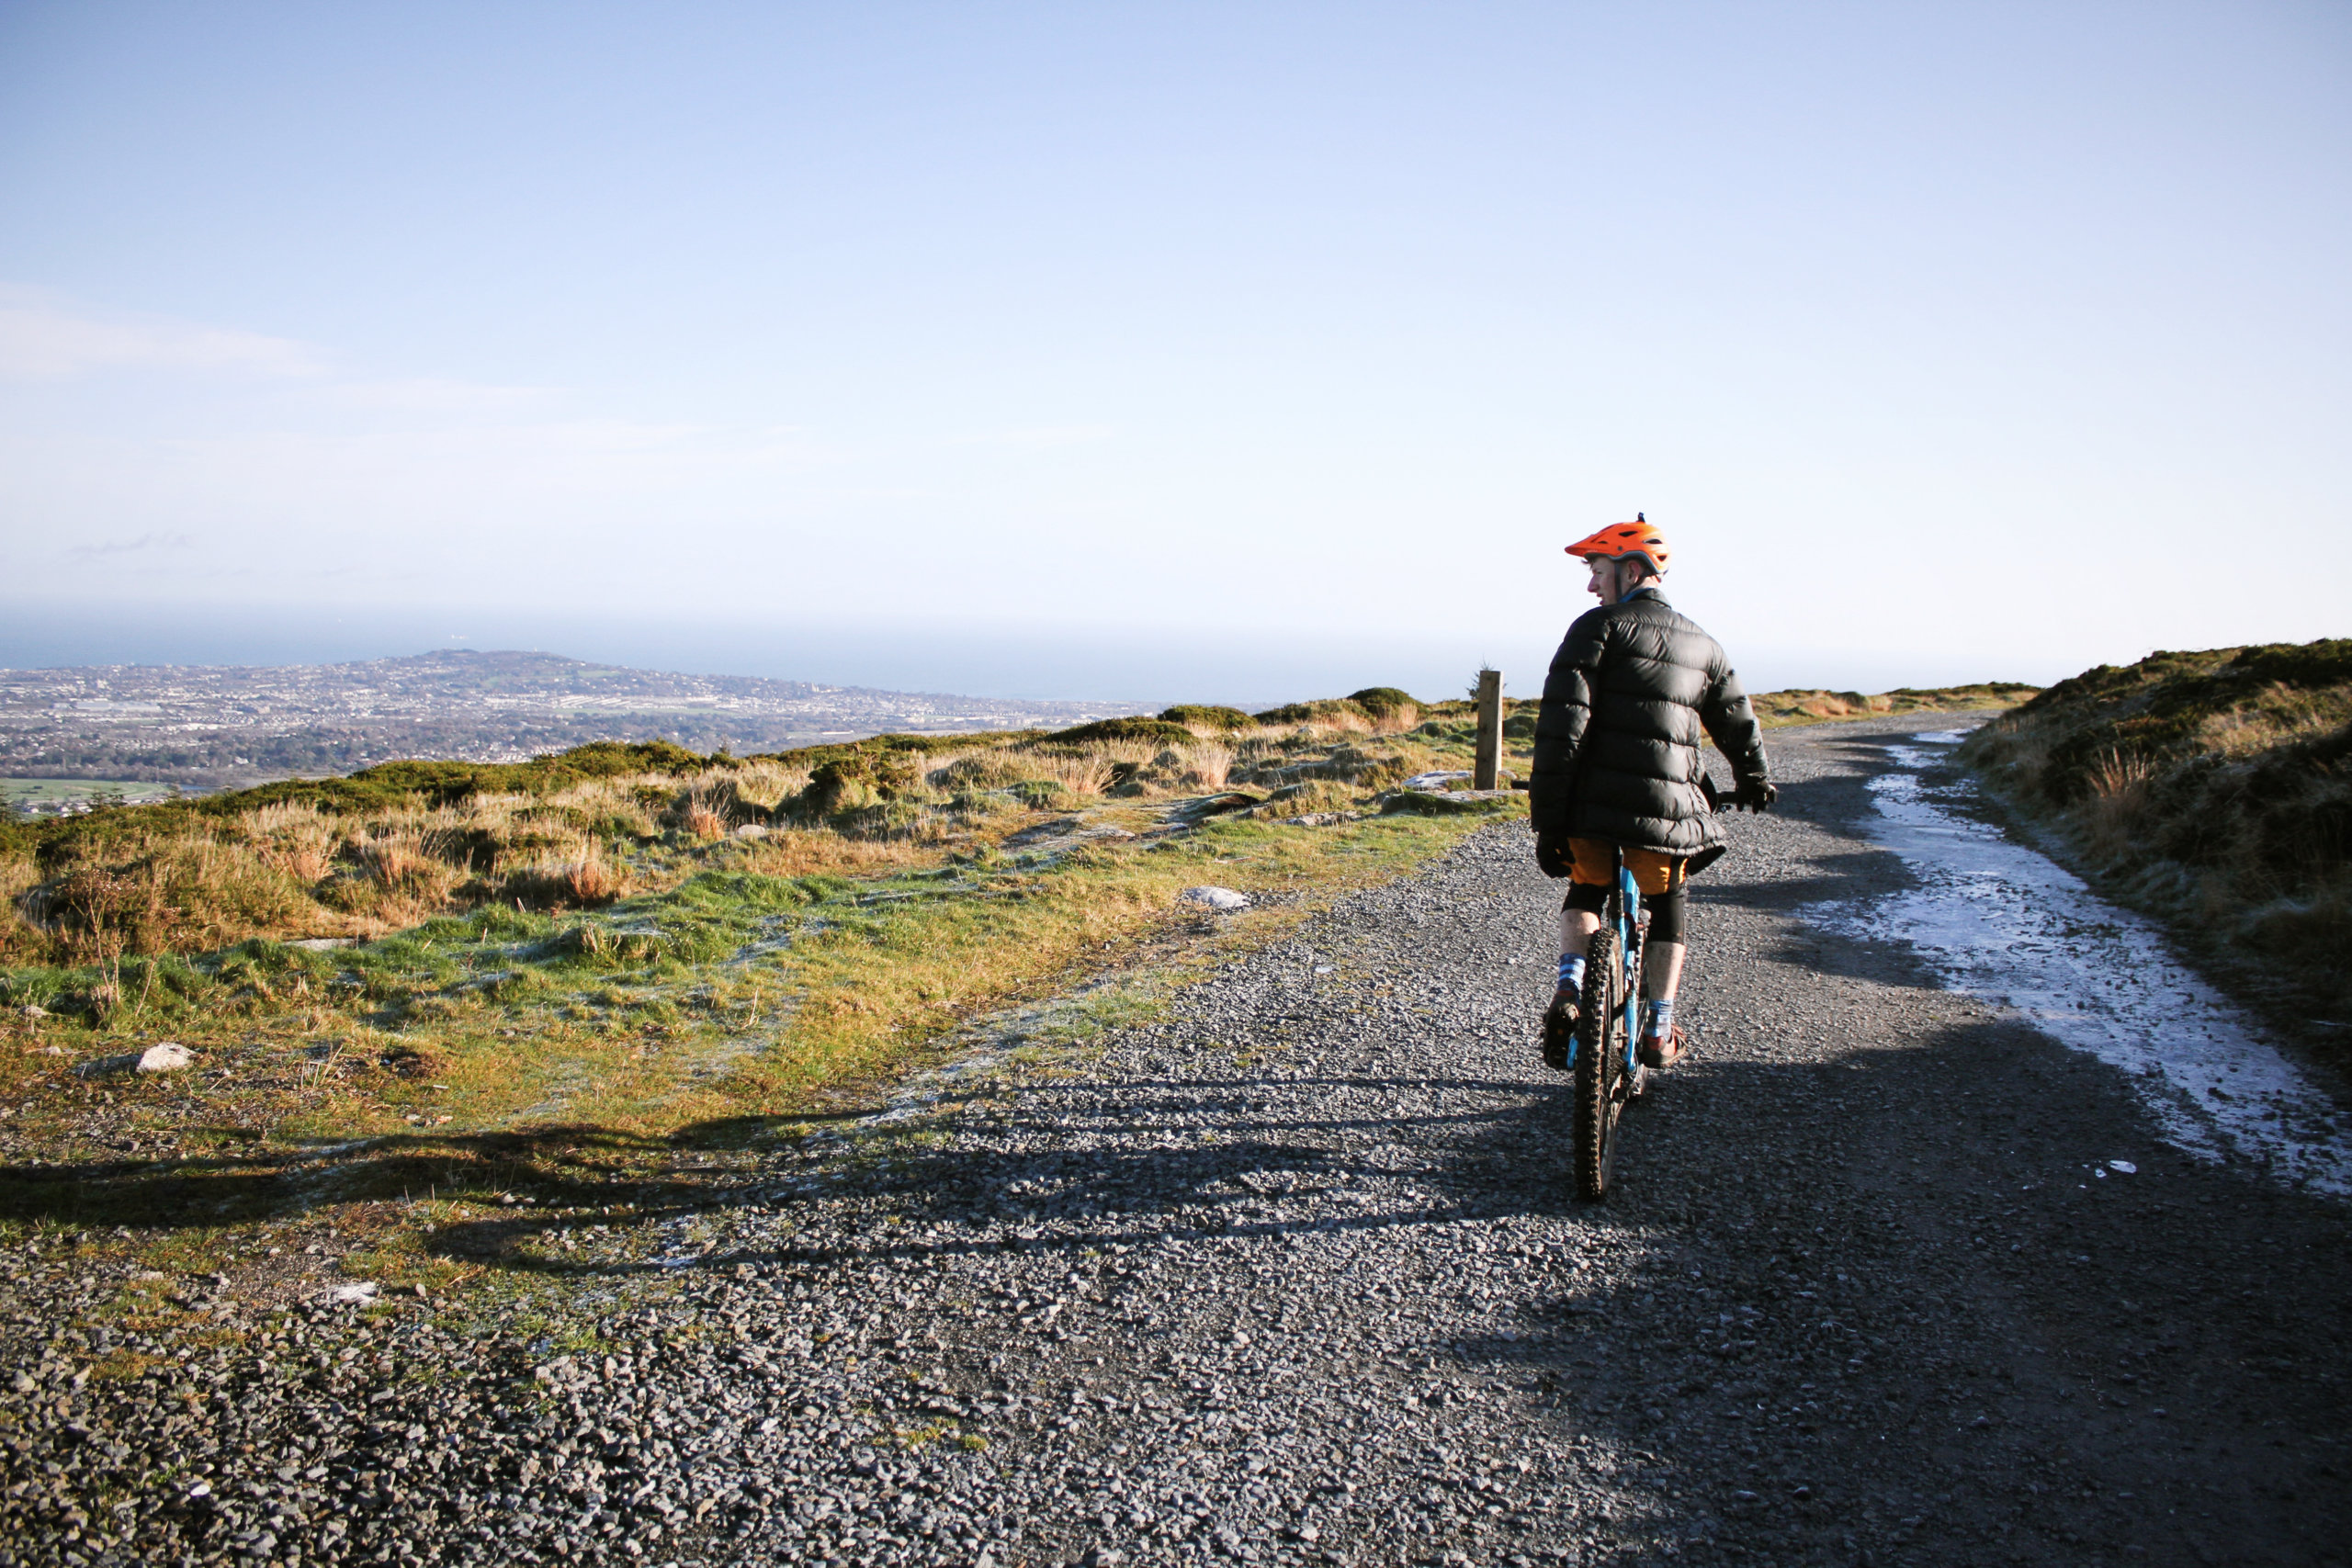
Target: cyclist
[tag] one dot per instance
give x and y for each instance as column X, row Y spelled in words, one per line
column 1618, row 771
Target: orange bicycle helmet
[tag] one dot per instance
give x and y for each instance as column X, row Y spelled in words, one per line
column 1621, row 539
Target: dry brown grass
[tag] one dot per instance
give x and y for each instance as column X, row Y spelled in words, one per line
column 578, row 874
column 1332, row 727
column 2117, row 808
column 802, row 852
column 719, row 1004
column 282, row 870
column 764, row 785
column 294, row 836
column 2277, row 714
column 182, row 881
column 1083, row 773
column 614, row 803
column 1206, row 765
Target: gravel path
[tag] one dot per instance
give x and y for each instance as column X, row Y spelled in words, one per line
column 1292, row 1276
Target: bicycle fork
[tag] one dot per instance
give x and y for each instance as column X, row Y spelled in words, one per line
column 1633, row 931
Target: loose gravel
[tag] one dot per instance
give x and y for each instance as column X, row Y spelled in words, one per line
column 1293, row 1275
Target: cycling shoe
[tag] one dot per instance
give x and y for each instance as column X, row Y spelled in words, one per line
column 1560, row 1029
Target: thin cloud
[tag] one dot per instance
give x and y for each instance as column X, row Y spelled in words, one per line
column 43, row 339
column 143, row 544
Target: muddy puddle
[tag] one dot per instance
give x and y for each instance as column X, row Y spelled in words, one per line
column 2005, row 925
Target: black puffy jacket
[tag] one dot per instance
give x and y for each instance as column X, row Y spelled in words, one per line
column 1617, row 746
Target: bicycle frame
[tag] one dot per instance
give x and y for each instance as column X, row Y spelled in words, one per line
column 1629, row 932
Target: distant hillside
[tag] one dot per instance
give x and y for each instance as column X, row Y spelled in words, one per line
column 1803, row 707
column 229, row 725
column 2213, row 789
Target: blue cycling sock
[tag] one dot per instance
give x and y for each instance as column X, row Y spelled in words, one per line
column 1571, row 973
column 1661, row 1020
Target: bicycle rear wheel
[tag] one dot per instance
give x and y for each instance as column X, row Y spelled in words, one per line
column 1600, row 1065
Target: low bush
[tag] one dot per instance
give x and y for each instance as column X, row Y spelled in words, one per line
column 1385, row 701
column 1149, row 731
column 1197, row 715
column 1338, row 715
column 856, row 781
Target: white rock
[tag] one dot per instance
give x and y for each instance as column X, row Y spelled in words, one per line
column 168, row 1057
column 321, row 944
column 1225, row 900
column 750, row 830
column 1434, row 781
column 359, row 1294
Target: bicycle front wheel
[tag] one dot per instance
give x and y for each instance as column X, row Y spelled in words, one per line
column 1601, row 1082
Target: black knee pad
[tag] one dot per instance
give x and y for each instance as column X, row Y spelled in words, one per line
column 1592, row 897
column 1668, row 911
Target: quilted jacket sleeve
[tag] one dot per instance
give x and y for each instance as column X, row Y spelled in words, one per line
column 1731, row 723
column 1567, row 714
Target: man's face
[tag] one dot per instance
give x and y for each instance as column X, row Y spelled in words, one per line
column 1603, row 584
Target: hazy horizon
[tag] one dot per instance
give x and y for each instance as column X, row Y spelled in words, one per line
column 1113, row 353
column 1138, row 668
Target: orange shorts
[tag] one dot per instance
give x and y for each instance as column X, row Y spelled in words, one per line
column 1596, row 866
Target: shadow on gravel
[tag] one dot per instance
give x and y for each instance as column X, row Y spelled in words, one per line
column 564, row 1166
column 1955, row 1298
column 1838, row 878
column 1138, row 1187
column 1135, row 1187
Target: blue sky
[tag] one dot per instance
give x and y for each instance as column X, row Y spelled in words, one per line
column 1115, row 350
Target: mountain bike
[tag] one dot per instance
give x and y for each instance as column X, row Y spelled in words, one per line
column 1604, row 1061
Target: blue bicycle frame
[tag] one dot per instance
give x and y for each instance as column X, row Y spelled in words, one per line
column 1629, row 931
column 1629, row 953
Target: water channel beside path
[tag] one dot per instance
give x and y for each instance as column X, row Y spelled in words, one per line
column 1999, row 921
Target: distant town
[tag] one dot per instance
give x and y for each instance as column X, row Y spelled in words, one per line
column 139, row 731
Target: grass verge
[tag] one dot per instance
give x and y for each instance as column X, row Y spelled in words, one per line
column 2213, row 791
column 415, row 1105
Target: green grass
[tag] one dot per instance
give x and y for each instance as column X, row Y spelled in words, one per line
column 22, row 793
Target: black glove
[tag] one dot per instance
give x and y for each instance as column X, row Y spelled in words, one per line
column 1553, row 856
column 1755, row 794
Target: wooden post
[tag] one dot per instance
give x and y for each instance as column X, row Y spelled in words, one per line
column 1490, row 729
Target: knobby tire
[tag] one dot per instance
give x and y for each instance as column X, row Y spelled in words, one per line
column 1600, row 1065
